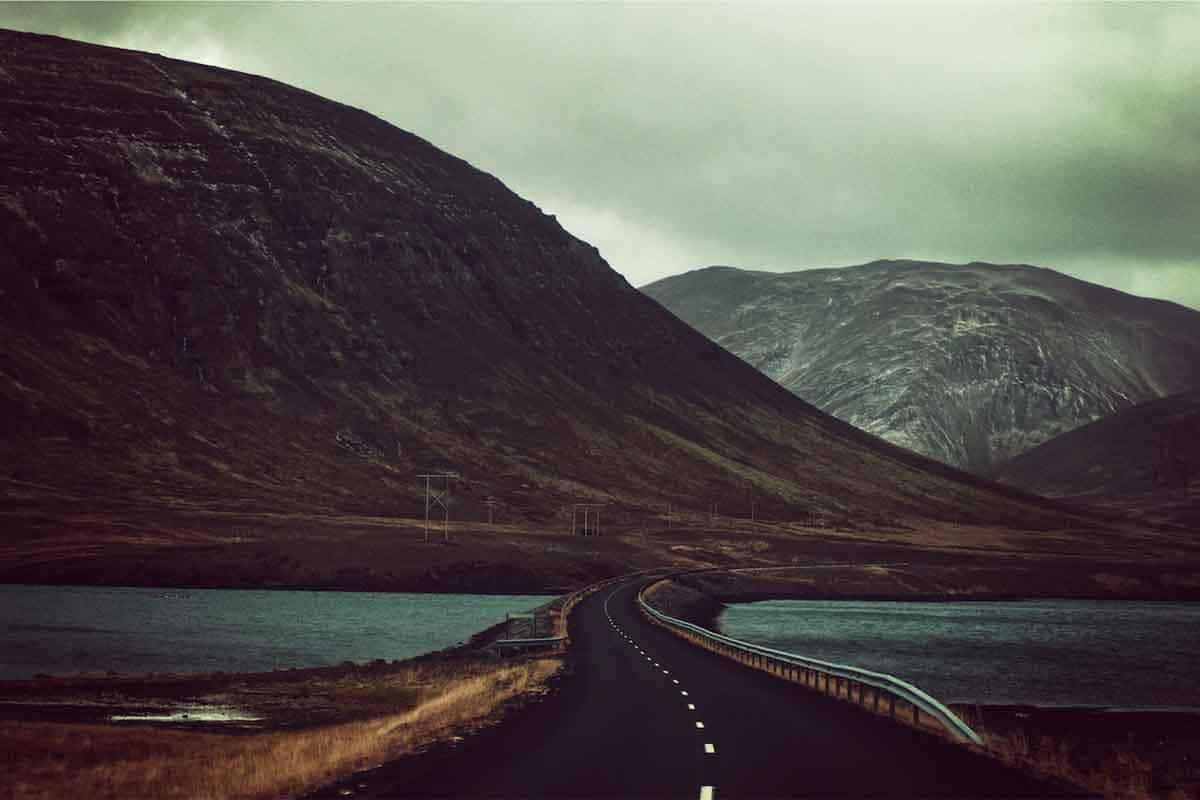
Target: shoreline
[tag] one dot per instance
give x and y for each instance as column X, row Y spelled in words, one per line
column 71, row 697
column 472, row 644
column 1182, row 597
column 452, row 590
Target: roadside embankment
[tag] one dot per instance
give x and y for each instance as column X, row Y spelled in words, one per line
column 676, row 598
column 1127, row 754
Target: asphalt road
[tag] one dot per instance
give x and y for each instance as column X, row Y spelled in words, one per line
column 642, row 713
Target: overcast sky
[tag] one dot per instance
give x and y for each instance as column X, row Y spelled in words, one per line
column 768, row 136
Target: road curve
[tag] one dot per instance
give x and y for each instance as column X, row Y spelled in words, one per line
column 641, row 713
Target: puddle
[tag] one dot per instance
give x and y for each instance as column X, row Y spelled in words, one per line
column 190, row 713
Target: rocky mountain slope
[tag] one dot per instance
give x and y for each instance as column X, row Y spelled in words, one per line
column 241, row 319
column 1145, row 459
column 969, row 364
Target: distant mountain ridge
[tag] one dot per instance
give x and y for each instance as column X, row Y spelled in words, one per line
column 1145, row 459
column 969, row 364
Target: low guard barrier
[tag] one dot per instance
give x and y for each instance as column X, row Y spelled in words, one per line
column 871, row 687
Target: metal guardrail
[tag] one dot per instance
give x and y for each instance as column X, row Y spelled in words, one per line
column 579, row 594
column 813, row 672
column 562, row 640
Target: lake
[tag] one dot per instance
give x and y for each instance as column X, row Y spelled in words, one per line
column 1037, row 652
column 62, row 630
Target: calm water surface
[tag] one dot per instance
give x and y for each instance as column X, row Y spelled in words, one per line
column 67, row 629
column 1041, row 652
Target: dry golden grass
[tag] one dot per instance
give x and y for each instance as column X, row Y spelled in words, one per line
column 1119, row 774
column 1124, row 776
column 48, row 760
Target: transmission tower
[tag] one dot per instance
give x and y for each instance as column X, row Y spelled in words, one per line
column 589, row 515
column 438, row 496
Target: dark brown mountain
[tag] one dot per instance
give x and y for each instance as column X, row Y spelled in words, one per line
column 1145, row 459
column 238, row 315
